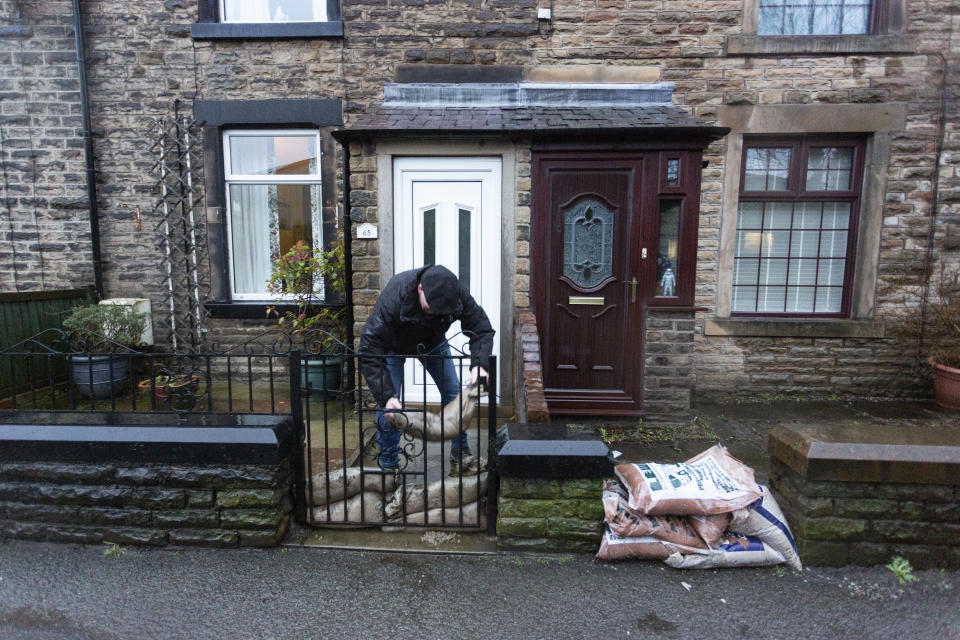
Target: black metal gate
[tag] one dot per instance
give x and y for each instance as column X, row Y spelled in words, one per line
column 351, row 478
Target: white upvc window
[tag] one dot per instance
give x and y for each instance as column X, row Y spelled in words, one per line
column 273, row 10
column 273, row 197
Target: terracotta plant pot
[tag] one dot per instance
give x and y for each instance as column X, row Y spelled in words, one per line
column 946, row 385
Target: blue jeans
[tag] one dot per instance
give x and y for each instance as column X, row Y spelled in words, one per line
column 444, row 374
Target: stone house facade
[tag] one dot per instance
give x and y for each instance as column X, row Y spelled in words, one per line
column 796, row 173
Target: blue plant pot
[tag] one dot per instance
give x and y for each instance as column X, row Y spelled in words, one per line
column 99, row 376
column 323, row 376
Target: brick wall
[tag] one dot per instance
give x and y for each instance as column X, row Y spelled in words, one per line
column 142, row 61
column 44, row 212
column 151, row 504
column 530, row 402
column 668, row 364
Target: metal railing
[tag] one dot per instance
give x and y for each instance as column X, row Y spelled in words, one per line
column 353, row 480
column 341, row 475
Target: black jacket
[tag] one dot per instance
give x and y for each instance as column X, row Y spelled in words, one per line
column 399, row 325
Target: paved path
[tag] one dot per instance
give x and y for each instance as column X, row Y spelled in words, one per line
column 65, row 592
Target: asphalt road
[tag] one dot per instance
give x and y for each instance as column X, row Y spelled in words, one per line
column 65, row 592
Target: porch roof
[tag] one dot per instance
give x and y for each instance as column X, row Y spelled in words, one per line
column 644, row 120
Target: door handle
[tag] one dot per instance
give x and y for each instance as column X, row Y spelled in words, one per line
column 633, row 289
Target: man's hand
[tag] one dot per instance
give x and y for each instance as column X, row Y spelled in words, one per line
column 477, row 372
column 392, row 403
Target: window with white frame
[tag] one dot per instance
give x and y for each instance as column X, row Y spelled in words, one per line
column 273, row 196
column 814, row 17
column 273, row 10
column 796, row 226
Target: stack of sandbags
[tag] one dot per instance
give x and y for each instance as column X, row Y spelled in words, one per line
column 440, row 502
column 705, row 512
column 337, row 495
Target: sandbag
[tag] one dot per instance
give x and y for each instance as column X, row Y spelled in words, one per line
column 447, row 518
column 349, row 510
column 455, row 417
column 764, row 520
column 709, row 483
column 615, row 547
column 732, row 550
column 628, row 523
column 346, row 483
column 439, row 494
column 710, row 528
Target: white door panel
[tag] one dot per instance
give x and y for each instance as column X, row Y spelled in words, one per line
column 447, row 211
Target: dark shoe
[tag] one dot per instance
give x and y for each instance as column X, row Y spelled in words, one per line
column 469, row 466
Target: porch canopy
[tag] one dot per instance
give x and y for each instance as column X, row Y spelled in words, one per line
column 542, row 111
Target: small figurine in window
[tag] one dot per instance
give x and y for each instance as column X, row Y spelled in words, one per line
column 668, row 282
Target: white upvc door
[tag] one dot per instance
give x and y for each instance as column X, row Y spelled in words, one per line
column 447, row 211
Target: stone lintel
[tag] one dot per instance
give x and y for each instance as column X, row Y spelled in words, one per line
column 551, row 451
column 869, row 453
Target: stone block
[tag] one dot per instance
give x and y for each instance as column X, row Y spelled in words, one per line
column 141, row 537
column 529, row 488
column 828, row 528
column 582, row 488
column 58, row 473
column 199, row 498
column 896, row 531
column 225, row 477
column 31, row 512
column 574, row 529
column 139, row 476
column 155, row 498
column 267, row 538
column 521, row 527
column 248, row 498
column 114, row 517
column 513, row 508
column 527, row 544
column 868, row 554
column 190, row 518
column 250, row 519
column 864, row 508
column 821, row 553
column 204, row 538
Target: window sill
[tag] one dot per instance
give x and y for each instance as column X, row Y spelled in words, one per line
column 265, row 30
column 251, row 310
column 794, row 328
column 776, row 45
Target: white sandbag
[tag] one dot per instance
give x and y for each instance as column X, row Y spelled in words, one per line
column 345, row 484
column 763, row 519
column 709, row 483
column 629, row 523
column 457, row 415
column 447, row 518
column 438, row 494
column 349, row 510
column 616, row 547
column 732, row 550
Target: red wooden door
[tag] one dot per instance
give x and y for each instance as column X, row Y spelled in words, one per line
column 587, row 233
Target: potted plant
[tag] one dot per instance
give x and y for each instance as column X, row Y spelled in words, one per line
column 935, row 326
column 180, row 390
column 101, row 337
column 299, row 275
column 940, row 336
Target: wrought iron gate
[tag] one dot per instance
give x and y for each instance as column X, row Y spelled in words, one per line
column 350, row 479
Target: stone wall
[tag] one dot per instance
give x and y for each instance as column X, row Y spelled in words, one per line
column 867, row 523
column 45, row 219
column 550, row 514
column 668, row 378
column 531, row 405
column 141, row 62
column 151, row 504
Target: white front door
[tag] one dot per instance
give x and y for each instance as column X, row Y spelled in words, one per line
column 447, row 211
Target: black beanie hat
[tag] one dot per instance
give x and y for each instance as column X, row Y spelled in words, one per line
column 441, row 289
